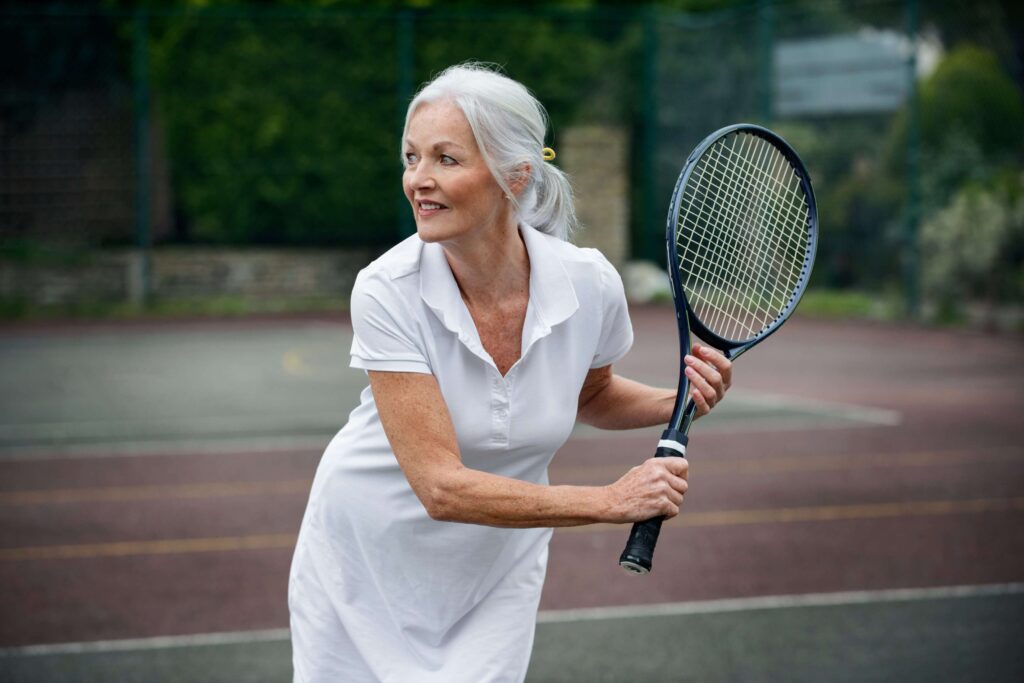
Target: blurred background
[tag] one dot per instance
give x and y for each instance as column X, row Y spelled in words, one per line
column 224, row 157
column 188, row 189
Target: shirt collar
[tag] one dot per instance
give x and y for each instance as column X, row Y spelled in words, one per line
column 552, row 297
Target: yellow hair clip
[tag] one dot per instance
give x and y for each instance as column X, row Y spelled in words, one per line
column 549, row 154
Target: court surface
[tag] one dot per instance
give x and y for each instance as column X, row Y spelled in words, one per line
column 856, row 509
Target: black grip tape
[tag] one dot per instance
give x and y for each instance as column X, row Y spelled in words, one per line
column 639, row 552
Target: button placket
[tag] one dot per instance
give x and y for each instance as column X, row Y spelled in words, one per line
column 499, row 410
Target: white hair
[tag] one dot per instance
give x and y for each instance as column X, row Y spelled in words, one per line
column 509, row 125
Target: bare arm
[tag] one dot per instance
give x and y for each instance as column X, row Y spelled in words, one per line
column 420, row 430
column 610, row 401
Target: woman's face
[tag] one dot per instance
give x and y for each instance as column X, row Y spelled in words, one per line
column 450, row 188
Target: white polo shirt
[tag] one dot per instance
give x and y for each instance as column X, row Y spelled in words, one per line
column 380, row 591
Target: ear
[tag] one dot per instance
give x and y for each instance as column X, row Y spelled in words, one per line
column 519, row 179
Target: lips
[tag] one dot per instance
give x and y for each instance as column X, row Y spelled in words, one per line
column 428, row 208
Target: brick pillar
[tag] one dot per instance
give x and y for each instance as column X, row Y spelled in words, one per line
column 596, row 157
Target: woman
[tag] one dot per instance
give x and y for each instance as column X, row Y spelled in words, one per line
column 485, row 337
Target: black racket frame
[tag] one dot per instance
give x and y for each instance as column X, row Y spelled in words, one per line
column 637, row 556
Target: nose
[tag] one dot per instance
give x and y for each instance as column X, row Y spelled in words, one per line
column 419, row 177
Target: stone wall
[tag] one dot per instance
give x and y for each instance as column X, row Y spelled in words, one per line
column 186, row 273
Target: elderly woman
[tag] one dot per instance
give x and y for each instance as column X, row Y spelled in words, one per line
column 485, row 336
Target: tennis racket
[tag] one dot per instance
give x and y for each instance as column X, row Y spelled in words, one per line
column 741, row 235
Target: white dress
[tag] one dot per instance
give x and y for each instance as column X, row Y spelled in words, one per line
column 379, row 591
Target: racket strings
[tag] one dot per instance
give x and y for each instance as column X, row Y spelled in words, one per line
column 726, row 304
column 742, row 236
column 731, row 307
column 731, row 304
column 770, row 252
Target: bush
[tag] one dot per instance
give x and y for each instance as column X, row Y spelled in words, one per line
column 973, row 249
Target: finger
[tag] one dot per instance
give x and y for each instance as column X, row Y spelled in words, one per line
column 709, row 372
column 716, row 358
column 679, row 467
column 700, row 403
column 701, row 384
column 675, row 467
column 679, row 485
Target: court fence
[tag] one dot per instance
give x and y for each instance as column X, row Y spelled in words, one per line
column 278, row 126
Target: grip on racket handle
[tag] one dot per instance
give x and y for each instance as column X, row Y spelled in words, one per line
column 639, row 552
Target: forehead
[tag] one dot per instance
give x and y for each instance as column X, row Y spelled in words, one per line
column 443, row 121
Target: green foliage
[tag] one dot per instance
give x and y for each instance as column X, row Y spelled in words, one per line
column 281, row 130
column 971, row 96
column 971, row 115
column 830, row 303
column 973, row 249
column 284, row 129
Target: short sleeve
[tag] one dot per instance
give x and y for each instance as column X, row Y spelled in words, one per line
column 616, row 328
column 385, row 334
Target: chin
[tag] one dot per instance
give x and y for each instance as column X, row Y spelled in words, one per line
column 437, row 233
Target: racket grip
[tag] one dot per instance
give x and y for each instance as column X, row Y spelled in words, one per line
column 638, row 555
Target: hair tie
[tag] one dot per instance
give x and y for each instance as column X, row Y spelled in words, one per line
column 549, row 154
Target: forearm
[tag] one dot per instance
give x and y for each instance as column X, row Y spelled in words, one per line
column 461, row 494
column 626, row 404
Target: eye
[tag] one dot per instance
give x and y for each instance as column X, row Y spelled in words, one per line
column 447, row 160
column 410, row 159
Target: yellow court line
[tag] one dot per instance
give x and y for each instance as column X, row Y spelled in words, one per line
column 812, row 463
column 821, row 513
column 709, row 466
column 828, row 513
column 151, row 492
column 164, row 547
column 293, row 363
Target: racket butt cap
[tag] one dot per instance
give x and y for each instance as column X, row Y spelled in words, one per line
column 634, row 567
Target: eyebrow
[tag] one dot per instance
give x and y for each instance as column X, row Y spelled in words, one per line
column 437, row 145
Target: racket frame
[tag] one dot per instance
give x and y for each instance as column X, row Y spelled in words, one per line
column 674, row 439
column 686, row 318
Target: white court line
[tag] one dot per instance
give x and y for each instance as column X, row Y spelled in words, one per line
column 561, row 616
column 763, row 409
column 807, row 414
column 776, row 602
column 173, row 446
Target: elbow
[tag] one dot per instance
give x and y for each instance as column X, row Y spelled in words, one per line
column 441, row 501
column 438, row 507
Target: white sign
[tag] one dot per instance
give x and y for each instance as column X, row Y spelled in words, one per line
column 847, row 74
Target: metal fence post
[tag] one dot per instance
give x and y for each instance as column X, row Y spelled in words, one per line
column 406, row 65
column 143, row 154
column 650, row 233
column 911, row 256
column 766, row 41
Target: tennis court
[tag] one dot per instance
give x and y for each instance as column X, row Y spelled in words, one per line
column 854, row 513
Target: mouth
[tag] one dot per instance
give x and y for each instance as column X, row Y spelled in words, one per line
column 428, row 208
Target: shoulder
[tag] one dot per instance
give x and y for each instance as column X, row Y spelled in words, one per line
column 580, row 262
column 393, row 272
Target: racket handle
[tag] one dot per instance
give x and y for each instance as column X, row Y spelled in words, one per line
column 639, row 552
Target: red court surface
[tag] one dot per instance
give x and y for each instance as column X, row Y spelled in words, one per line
column 100, row 546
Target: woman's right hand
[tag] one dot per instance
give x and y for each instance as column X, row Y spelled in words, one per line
column 652, row 489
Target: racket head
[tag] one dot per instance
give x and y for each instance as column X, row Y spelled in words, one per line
column 747, row 183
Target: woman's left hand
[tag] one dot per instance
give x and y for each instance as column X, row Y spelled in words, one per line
column 710, row 375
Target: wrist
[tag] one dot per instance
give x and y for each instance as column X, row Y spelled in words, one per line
column 606, row 505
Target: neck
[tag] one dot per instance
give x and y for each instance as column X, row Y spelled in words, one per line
column 491, row 270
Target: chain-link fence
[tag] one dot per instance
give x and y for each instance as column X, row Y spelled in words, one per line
column 280, row 126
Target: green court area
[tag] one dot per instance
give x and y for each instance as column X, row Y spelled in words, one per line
column 942, row 634
column 200, row 388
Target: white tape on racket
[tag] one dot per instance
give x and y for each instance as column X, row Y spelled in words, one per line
column 673, row 445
